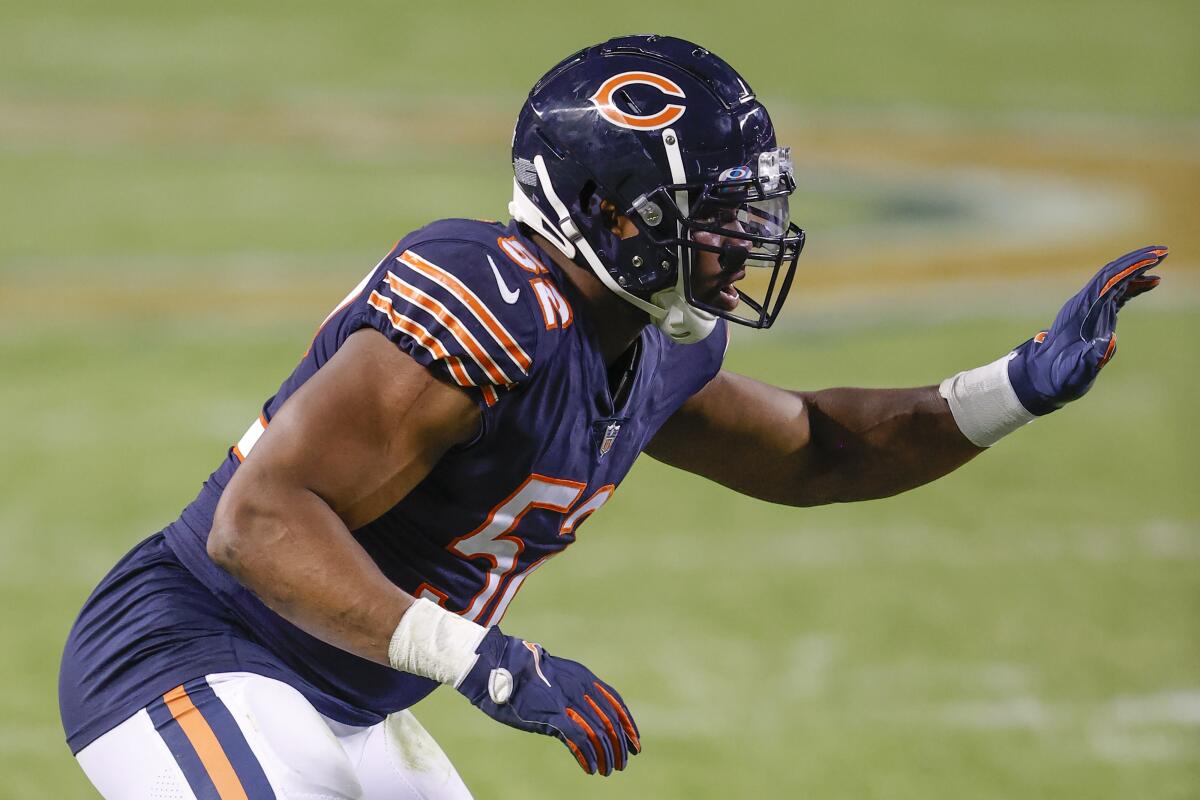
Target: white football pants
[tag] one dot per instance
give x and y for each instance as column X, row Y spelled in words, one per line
column 236, row 735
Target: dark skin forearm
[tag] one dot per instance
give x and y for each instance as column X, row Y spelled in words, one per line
column 813, row 448
column 347, row 446
column 326, row 584
column 870, row 443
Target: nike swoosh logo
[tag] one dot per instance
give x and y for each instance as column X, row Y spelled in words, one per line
column 509, row 295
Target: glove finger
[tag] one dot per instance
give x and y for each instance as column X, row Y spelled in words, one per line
column 1131, row 265
column 585, row 763
column 599, row 743
column 1102, row 317
column 1121, row 263
column 1136, row 286
column 616, row 737
column 623, row 715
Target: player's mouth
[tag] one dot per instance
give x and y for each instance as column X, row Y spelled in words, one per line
column 725, row 295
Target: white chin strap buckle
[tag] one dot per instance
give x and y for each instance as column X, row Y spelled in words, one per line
column 683, row 322
column 569, row 230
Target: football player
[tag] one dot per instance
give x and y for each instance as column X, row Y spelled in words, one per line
column 477, row 396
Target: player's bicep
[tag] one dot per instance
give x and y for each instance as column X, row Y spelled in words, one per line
column 365, row 429
column 744, row 434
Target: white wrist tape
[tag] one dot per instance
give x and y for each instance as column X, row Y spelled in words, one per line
column 434, row 643
column 984, row 404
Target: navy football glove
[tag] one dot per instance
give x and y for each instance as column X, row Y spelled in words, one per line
column 1060, row 365
column 520, row 684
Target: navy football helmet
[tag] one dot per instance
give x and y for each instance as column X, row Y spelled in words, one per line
column 675, row 140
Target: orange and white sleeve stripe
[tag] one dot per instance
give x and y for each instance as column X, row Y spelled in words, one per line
column 422, row 337
column 452, row 325
column 463, row 294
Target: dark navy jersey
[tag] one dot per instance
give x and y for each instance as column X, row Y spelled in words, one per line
column 478, row 304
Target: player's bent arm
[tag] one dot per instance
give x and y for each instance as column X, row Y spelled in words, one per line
column 347, row 446
column 812, row 448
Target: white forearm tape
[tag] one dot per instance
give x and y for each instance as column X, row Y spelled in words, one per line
column 984, row 404
column 434, row 643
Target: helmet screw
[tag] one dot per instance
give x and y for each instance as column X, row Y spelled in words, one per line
column 637, row 261
column 666, row 265
column 669, row 138
column 621, row 280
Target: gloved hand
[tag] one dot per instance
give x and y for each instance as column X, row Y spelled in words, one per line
column 520, row 684
column 1060, row 364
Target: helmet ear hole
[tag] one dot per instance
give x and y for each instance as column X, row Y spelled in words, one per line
column 593, row 205
column 586, row 194
column 608, row 215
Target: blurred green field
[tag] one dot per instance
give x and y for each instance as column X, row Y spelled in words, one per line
column 187, row 190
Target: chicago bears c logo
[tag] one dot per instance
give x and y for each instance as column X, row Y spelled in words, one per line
column 603, row 100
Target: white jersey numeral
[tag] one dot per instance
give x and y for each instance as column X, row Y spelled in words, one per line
column 556, row 311
column 497, row 541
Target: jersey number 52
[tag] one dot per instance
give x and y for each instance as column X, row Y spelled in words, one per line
column 497, row 541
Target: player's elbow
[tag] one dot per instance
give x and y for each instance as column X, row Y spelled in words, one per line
column 225, row 542
column 236, row 538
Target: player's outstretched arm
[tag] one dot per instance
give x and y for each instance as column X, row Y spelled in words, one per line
column 812, row 448
column 840, row 445
column 346, row 447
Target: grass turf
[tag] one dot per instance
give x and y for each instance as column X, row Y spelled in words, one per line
column 188, row 190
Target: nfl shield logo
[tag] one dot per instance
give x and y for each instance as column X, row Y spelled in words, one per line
column 610, row 436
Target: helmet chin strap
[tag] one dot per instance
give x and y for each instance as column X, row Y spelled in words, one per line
column 522, row 209
column 683, row 322
column 668, row 308
column 567, row 232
